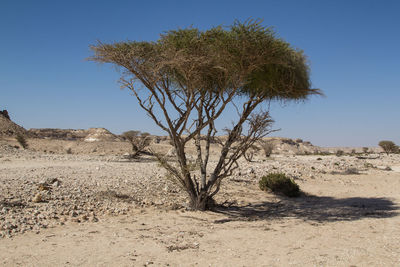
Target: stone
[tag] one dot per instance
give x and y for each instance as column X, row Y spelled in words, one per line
column 37, row 198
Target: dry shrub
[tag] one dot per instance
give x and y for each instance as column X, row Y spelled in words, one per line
column 267, row 147
column 249, row 155
column 139, row 141
column 22, row 141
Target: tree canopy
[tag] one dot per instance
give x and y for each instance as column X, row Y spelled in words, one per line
column 247, row 56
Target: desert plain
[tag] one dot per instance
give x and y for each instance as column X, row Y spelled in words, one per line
column 76, row 198
column 80, row 203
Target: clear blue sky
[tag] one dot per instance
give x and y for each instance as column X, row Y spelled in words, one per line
column 353, row 47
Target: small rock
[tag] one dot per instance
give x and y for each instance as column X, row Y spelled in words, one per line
column 43, row 187
column 250, row 171
column 38, row 198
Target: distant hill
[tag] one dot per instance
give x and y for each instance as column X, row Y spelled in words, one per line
column 8, row 127
column 61, row 134
column 90, row 135
column 100, row 134
column 291, row 146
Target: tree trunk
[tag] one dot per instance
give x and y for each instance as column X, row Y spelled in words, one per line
column 200, row 202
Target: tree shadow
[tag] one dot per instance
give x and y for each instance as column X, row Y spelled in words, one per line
column 312, row 208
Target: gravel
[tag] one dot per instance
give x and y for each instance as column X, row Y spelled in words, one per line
column 39, row 190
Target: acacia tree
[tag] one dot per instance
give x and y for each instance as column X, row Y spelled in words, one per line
column 186, row 79
column 388, row 146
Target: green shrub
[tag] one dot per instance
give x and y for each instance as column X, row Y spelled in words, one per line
column 279, row 183
column 22, row 141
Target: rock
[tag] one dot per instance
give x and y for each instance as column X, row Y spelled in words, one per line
column 4, row 113
column 250, row 171
column 8, row 127
column 171, row 153
column 43, row 187
column 37, row 198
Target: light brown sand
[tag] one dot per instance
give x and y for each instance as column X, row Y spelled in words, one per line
column 343, row 220
column 352, row 220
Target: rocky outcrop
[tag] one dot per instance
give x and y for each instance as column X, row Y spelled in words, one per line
column 291, row 146
column 8, row 127
column 90, row 135
column 60, row 134
column 100, row 134
column 4, row 113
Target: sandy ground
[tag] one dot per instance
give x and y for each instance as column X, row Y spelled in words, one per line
column 342, row 220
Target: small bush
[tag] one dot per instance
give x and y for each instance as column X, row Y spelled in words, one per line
column 22, row 141
column 279, row 183
column 339, row 153
column 69, row 151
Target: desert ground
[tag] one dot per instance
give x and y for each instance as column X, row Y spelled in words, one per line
column 74, row 203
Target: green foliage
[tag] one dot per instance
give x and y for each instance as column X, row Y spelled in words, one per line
column 280, row 183
column 388, row 147
column 246, row 55
column 22, row 141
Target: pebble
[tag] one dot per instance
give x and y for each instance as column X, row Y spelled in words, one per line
column 37, row 198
